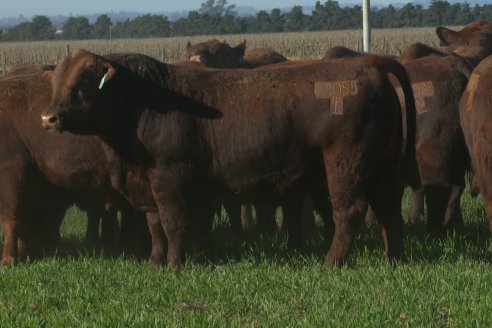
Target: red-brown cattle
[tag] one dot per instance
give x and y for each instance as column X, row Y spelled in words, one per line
column 438, row 80
column 419, row 50
column 214, row 53
column 41, row 173
column 476, row 120
column 269, row 134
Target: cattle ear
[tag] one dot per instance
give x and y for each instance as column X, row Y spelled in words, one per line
column 47, row 70
column 241, row 48
column 106, row 73
column 446, row 35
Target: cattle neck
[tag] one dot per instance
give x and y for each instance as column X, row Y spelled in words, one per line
column 124, row 100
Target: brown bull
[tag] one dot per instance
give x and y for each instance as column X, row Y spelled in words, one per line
column 438, row 78
column 476, row 120
column 274, row 133
column 42, row 174
column 214, row 53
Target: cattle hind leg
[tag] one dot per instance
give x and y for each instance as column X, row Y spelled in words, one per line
column 349, row 204
column 444, row 210
column 385, row 198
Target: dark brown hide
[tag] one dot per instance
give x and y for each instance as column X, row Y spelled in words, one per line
column 43, row 173
column 274, row 133
column 438, row 81
column 216, row 54
column 419, row 50
column 476, row 120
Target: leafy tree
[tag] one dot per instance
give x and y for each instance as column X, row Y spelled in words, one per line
column 277, row 20
column 294, row 19
column 216, row 17
column 101, row 29
column 39, row 29
column 218, row 7
column 436, row 13
column 143, row 26
column 77, row 28
column 262, row 22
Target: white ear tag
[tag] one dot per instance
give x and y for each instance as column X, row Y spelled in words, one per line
column 102, row 81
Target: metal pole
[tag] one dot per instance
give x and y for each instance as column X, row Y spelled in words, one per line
column 366, row 6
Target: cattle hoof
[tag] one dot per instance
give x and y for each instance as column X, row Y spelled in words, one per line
column 7, row 261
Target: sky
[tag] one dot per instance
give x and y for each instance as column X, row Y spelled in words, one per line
column 28, row 8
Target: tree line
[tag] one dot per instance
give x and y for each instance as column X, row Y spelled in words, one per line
column 216, row 17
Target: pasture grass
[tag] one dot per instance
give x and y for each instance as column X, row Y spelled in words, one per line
column 446, row 283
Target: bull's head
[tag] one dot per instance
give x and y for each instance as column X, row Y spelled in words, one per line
column 473, row 42
column 214, row 53
column 77, row 83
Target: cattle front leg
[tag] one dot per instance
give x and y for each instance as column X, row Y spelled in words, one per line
column 246, row 216
column 234, row 211
column 159, row 241
column 453, row 218
column 10, row 232
column 292, row 222
column 92, row 230
column 109, row 228
column 265, row 219
column 416, row 212
column 437, row 198
column 322, row 205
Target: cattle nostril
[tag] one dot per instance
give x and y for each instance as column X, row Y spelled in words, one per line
column 50, row 121
column 53, row 119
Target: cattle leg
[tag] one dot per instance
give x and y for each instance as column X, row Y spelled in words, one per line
column 322, row 205
column 246, row 216
column 292, row 222
column 437, row 198
column 11, row 198
column 265, row 219
column 370, row 217
column 348, row 200
column 92, row 229
column 308, row 224
column 174, row 222
column 10, row 233
column 348, row 214
column 416, row 212
column 453, row 218
column 385, row 199
column 109, row 228
column 134, row 237
column 234, row 211
column 159, row 241
column 30, row 236
column 52, row 220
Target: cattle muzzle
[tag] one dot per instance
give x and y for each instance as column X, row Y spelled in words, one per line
column 52, row 121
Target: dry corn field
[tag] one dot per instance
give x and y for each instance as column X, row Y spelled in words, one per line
column 292, row 45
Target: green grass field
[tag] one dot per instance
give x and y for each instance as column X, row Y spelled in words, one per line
column 447, row 283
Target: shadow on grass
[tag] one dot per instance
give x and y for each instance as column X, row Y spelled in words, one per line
column 223, row 246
